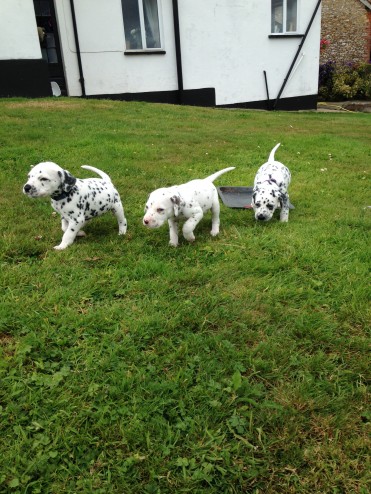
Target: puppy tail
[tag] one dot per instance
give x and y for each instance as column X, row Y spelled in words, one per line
column 271, row 156
column 97, row 171
column 220, row 172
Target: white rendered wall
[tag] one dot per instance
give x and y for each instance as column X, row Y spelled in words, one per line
column 226, row 46
column 106, row 69
column 19, row 39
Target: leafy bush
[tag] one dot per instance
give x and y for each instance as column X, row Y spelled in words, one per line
column 339, row 81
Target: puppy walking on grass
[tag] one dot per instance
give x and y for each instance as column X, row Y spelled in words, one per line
column 188, row 201
column 270, row 191
column 76, row 200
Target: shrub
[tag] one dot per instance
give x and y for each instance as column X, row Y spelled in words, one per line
column 325, row 79
column 344, row 81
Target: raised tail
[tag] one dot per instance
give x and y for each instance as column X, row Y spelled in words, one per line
column 214, row 176
column 97, row 171
column 271, row 156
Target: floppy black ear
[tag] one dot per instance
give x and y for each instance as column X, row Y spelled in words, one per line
column 253, row 197
column 282, row 199
column 68, row 181
column 176, row 200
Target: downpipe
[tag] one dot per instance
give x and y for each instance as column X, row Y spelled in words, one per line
column 297, row 55
column 78, row 52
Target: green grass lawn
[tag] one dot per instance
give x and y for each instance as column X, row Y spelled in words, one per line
column 237, row 364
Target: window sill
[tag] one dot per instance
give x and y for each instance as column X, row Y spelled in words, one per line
column 286, row 35
column 144, row 52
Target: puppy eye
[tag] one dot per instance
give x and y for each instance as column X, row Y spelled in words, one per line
column 43, row 179
column 270, row 207
column 257, row 204
column 160, row 210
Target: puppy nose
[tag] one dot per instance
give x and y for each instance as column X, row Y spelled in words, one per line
column 146, row 222
column 261, row 217
column 27, row 188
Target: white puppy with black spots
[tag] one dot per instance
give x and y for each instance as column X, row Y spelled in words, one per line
column 271, row 189
column 76, row 200
column 187, row 201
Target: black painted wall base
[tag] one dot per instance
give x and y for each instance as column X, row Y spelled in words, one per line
column 191, row 97
column 24, row 78
column 285, row 104
column 30, row 79
column 206, row 97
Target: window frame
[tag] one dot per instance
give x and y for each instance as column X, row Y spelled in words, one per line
column 285, row 33
column 145, row 50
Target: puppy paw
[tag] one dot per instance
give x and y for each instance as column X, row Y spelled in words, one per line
column 122, row 224
column 214, row 233
column 173, row 244
column 80, row 233
column 60, row 247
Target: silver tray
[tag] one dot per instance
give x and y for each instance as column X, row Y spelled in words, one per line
column 238, row 197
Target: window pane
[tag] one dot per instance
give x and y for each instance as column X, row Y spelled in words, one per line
column 133, row 35
column 151, row 23
column 42, row 8
column 291, row 16
column 277, row 16
column 51, row 49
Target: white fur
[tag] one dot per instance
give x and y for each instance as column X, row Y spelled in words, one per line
column 271, row 189
column 187, row 201
column 76, row 200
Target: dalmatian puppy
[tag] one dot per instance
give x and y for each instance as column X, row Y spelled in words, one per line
column 271, row 189
column 188, row 201
column 76, row 200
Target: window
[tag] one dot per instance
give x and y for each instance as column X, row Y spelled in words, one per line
column 284, row 16
column 141, row 24
column 45, row 29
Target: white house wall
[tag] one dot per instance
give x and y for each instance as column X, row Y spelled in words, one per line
column 23, row 71
column 226, row 46
column 18, row 31
column 106, row 68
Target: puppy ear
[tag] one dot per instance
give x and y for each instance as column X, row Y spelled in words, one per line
column 282, row 198
column 253, row 198
column 146, row 207
column 176, row 200
column 68, row 180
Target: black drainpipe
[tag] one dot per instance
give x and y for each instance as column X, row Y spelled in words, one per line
column 178, row 51
column 297, row 54
column 78, row 53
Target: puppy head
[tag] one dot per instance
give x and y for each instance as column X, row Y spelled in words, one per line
column 47, row 179
column 161, row 205
column 264, row 202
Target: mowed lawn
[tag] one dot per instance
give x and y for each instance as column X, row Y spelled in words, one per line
column 237, row 364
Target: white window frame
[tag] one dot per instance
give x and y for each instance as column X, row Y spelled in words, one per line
column 284, row 19
column 143, row 31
